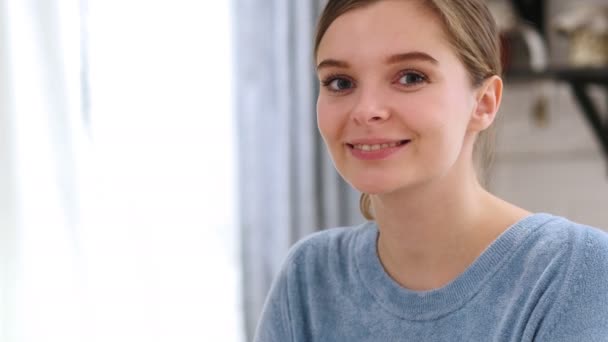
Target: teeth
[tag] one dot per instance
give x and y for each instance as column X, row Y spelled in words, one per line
column 375, row 147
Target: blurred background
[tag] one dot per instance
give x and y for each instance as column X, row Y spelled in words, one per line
column 159, row 158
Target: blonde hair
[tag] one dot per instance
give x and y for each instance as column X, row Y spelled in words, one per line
column 473, row 34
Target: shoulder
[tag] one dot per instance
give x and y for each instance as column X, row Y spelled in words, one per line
column 579, row 236
column 571, row 238
column 310, row 270
column 581, row 309
column 332, row 244
column 326, row 241
column 590, row 253
column 585, row 247
column 578, row 249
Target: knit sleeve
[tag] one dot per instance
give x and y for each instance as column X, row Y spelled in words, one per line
column 274, row 324
column 583, row 314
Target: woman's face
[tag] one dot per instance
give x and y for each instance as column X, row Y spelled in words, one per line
column 395, row 100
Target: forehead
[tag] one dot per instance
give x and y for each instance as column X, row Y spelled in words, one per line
column 384, row 28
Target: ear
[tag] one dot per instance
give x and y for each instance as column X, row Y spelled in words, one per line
column 488, row 97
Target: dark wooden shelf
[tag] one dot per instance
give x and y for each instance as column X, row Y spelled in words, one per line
column 579, row 80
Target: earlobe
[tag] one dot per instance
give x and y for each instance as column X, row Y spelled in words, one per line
column 489, row 95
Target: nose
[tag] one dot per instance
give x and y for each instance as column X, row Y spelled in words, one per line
column 370, row 108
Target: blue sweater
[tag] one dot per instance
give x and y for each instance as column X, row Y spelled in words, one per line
column 543, row 279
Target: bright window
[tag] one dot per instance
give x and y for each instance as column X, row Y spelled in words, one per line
column 159, row 207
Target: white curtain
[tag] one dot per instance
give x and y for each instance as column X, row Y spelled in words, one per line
column 289, row 187
column 41, row 281
column 117, row 226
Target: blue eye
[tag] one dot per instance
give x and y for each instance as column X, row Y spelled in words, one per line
column 337, row 84
column 411, row 78
column 340, row 84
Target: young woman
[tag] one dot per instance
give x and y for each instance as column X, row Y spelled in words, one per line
column 409, row 89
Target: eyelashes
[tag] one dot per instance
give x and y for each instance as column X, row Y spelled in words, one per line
column 337, row 83
column 408, row 79
column 411, row 78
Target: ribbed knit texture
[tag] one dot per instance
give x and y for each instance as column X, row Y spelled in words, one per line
column 543, row 279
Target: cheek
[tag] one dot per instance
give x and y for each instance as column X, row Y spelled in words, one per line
column 425, row 113
column 328, row 120
column 454, row 130
column 448, row 111
column 440, row 122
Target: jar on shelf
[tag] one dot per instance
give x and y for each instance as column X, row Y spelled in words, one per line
column 586, row 29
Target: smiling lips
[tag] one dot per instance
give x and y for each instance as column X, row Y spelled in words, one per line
column 375, row 150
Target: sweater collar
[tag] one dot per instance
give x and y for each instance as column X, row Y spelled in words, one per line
column 433, row 304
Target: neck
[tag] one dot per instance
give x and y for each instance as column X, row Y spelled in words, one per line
column 429, row 235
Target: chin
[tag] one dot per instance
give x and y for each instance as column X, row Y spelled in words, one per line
column 373, row 187
column 385, row 184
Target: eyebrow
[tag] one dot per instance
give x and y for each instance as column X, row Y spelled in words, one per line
column 327, row 63
column 400, row 57
column 414, row 55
